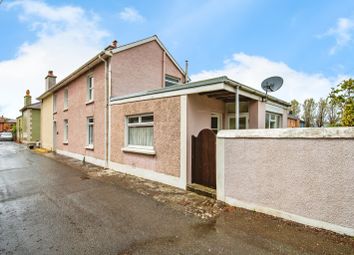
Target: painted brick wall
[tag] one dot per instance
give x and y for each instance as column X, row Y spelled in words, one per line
column 77, row 114
column 140, row 68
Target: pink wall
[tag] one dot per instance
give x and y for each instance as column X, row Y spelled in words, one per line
column 141, row 68
column 78, row 112
column 256, row 111
column 310, row 176
column 166, row 135
column 199, row 110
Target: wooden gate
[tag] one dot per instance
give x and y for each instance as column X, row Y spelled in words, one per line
column 204, row 158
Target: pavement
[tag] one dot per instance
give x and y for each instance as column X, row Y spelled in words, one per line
column 50, row 204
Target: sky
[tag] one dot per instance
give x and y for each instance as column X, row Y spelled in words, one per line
column 308, row 43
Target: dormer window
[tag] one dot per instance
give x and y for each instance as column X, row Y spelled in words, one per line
column 170, row 80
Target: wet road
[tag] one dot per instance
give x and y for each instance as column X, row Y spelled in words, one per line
column 46, row 207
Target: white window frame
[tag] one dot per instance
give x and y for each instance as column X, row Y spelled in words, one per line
column 90, row 141
column 272, row 114
column 66, row 132
column 66, row 98
column 90, row 88
column 138, row 148
column 172, row 80
column 219, row 118
column 242, row 115
column 54, row 103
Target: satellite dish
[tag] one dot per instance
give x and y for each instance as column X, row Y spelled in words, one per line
column 272, row 84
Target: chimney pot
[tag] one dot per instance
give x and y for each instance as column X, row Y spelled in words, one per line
column 114, row 44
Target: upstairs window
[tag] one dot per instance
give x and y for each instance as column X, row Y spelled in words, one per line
column 140, row 131
column 90, row 87
column 66, row 98
column 273, row 120
column 170, row 81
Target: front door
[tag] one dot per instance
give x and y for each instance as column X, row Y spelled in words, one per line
column 204, row 158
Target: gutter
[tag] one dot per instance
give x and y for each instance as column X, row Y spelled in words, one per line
column 71, row 76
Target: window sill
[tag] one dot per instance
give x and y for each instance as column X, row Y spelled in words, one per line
column 65, row 110
column 150, row 152
column 66, row 143
column 90, row 102
column 89, row 147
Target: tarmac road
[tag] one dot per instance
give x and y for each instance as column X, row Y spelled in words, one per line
column 46, row 207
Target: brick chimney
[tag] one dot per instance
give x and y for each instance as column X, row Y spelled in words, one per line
column 27, row 98
column 50, row 80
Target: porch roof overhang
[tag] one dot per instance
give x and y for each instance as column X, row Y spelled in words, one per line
column 221, row 88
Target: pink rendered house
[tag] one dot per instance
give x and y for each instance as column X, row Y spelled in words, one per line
column 131, row 108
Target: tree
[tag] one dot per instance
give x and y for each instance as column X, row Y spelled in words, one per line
column 333, row 111
column 309, row 108
column 295, row 108
column 321, row 113
column 343, row 95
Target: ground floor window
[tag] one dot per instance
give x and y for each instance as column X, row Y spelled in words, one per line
column 273, row 120
column 140, row 131
column 90, row 124
column 66, row 131
column 243, row 121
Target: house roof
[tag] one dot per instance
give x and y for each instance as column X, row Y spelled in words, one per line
column 201, row 84
column 104, row 54
column 34, row 106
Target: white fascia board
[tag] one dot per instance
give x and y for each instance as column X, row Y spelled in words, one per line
column 249, row 95
column 187, row 91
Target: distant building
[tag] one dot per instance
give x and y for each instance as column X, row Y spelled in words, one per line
column 30, row 121
column 6, row 124
column 295, row 122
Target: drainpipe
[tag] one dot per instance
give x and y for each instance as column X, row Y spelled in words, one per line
column 237, row 108
column 106, row 124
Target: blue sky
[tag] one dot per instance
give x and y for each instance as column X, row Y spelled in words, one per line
column 308, row 43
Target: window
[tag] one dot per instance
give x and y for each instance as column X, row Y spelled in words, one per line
column 66, row 99
column 66, row 131
column 242, row 124
column 273, row 120
column 90, row 86
column 140, row 131
column 215, row 122
column 90, row 124
column 170, row 81
column 54, row 103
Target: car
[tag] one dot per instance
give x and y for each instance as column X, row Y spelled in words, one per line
column 6, row 136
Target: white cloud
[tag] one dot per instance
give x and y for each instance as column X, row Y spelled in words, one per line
column 66, row 37
column 342, row 33
column 252, row 70
column 130, row 14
